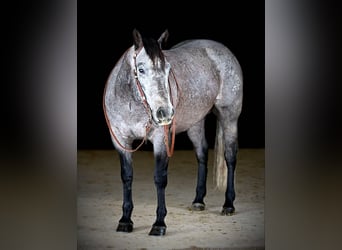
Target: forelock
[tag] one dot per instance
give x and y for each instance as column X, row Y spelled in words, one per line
column 153, row 51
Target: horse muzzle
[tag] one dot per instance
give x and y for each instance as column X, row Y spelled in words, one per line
column 164, row 116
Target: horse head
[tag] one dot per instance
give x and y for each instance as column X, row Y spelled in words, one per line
column 151, row 70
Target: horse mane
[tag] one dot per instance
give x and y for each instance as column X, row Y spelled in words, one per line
column 154, row 51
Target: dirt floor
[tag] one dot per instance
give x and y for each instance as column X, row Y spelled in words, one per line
column 100, row 199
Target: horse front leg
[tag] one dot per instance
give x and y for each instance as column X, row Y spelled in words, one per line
column 230, row 156
column 160, row 180
column 125, row 223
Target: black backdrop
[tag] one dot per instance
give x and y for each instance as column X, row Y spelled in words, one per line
column 105, row 32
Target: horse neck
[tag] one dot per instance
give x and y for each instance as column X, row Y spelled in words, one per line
column 174, row 82
column 125, row 82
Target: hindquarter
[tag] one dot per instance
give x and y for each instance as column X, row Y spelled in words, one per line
column 230, row 93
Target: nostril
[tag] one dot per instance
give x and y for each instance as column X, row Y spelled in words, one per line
column 161, row 113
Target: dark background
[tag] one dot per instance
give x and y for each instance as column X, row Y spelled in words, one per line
column 105, row 32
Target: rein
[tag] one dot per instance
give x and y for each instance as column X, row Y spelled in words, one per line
column 173, row 123
column 167, row 128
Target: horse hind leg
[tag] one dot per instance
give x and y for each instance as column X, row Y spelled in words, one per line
column 197, row 137
column 228, row 123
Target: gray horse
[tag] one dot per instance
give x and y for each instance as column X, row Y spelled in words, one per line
column 153, row 94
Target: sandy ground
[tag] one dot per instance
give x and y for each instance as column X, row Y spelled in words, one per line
column 100, row 199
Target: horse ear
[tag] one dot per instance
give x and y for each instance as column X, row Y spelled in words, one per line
column 137, row 39
column 163, row 38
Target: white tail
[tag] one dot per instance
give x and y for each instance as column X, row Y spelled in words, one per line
column 220, row 167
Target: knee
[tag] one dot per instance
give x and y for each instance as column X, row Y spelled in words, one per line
column 160, row 181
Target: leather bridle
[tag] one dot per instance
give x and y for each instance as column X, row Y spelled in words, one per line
column 167, row 128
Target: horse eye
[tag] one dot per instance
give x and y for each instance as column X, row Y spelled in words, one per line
column 142, row 71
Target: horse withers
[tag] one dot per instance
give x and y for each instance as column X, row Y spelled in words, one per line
column 153, row 94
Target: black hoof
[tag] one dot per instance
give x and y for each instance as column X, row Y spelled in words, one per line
column 158, row 231
column 228, row 211
column 126, row 227
column 197, row 206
